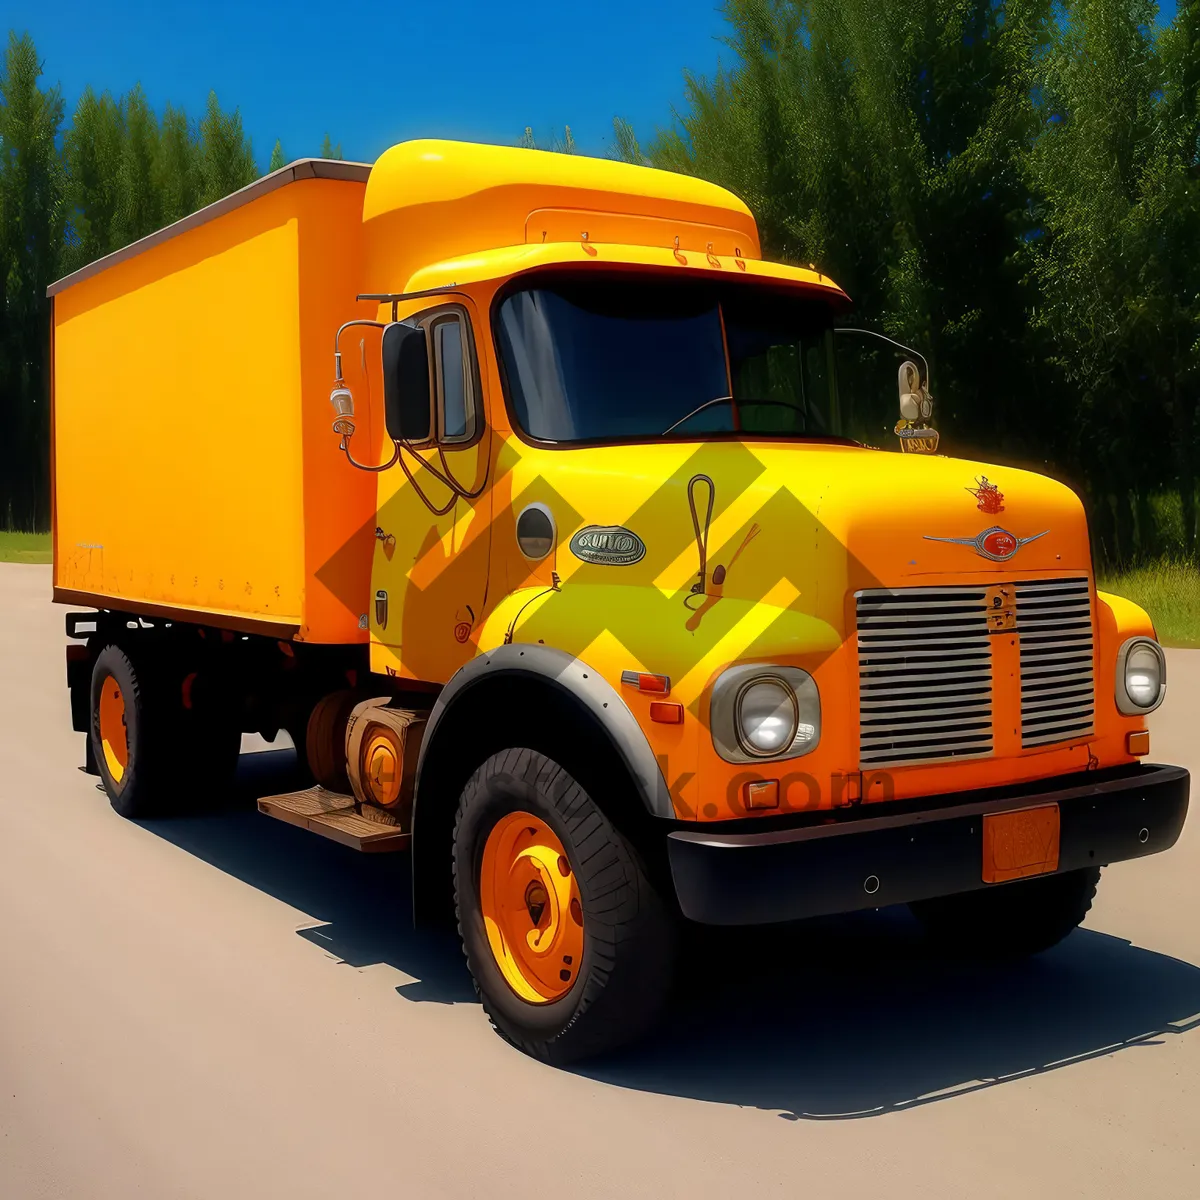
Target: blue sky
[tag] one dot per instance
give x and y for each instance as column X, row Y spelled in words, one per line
column 375, row 74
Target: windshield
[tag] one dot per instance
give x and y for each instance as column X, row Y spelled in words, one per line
column 635, row 360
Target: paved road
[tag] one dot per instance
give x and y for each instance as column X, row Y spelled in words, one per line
column 225, row 1006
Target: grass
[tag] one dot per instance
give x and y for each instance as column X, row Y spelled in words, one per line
column 1169, row 590
column 24, row 547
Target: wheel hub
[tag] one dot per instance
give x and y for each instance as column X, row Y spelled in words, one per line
column 114, row 733
column 531, row 908
column 382, row 774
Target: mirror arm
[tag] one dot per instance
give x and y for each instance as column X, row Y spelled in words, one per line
column 337, row 339
column 890, row 342
column 394, row 298
column 391, row 462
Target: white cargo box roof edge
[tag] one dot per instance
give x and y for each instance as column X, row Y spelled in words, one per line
column 304, row 168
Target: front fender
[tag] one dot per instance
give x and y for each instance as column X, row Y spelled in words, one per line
column 571, row 677
column 1117, row 620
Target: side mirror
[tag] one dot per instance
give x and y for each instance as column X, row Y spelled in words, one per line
column 915, row 403
column 407, row 403
column 916, row 434
column 343, row 407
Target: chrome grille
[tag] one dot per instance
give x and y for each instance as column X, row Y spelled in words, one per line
column 925, row 675
column 1054, row 620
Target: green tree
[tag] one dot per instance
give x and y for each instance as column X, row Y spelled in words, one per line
column 92, row 150
column 177, row 166
column 139, row 200
column 1119, row 264
column 1173, row 233
column 226, row 155
column 31, row 224
column 277, row 159
column 625, row 143
column 329, row 150
column 563, row 145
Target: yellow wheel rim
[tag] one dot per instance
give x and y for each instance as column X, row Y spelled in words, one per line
column 114, row 737
column 531, row 908
column 381, row 767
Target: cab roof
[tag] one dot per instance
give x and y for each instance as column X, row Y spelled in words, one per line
column 429, row 202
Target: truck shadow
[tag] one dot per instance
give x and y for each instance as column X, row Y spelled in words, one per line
column 835, row 1019
column 359, row 905
column 855, row 1017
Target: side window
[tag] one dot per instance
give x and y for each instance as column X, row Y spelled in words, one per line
column 454, row 372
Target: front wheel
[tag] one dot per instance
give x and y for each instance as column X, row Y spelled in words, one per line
column 1013, row 920
column 571, row 949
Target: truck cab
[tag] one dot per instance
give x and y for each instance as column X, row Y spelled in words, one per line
column 644, row 617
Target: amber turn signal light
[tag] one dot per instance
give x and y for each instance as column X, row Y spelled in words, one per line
column 666, row 714
column 1138, row 743
column 647, row 683
column 763, row 794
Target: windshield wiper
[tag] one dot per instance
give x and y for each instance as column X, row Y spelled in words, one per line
column 730, row 400
column 700, row 409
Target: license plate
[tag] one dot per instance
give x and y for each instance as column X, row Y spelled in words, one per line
column 1019, row 844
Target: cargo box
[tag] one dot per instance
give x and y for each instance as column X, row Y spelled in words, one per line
column 194, row 471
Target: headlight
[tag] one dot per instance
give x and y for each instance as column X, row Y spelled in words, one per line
column 1141, row 676
column 766, row 717
column 764, row 712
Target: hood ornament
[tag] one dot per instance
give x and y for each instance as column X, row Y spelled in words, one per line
column 995, row 544
column 989, row 496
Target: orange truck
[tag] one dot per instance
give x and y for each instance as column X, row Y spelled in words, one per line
column 529, row 499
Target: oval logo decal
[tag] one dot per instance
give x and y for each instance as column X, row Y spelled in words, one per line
column 608, row 546
column 999, row 543
column 995, row 544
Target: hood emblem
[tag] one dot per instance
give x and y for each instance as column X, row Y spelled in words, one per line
column 995, row 544
column 990, row 497
column 608, row 546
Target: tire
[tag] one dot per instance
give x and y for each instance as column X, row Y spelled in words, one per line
column 325, row 739
column 621, row 983
column 141, row 776
column 1010, row 921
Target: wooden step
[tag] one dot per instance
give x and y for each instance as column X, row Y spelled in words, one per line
column 334, row 816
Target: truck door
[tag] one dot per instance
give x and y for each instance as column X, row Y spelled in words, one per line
column 430, row 567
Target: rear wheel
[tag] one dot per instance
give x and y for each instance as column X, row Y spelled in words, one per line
column 1013, row 920
column 571, row 949
column 164, row 739
column 325, row 739
column 130, row 737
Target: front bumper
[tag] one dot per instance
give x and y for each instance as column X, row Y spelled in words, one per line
column 933, row 849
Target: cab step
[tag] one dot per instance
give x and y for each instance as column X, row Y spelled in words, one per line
column 337, row 817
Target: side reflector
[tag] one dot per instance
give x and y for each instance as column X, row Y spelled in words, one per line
column 666, row 714
column 661, row 684
column 1138, row 743
column 764, row 794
